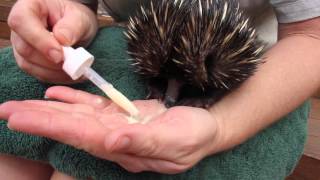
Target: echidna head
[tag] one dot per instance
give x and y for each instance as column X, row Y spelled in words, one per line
column 151, row 35
column 205, row 44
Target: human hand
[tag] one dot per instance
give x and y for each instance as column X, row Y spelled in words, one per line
column 38, row 51
column 172, row 142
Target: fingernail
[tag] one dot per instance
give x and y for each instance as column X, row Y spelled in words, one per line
column 124, row 142
column 67, row 36
column 55, row 55
column 9, row 126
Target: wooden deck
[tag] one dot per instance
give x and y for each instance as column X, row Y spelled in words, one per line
column 309, row 165
column 312, row 147
column 4, row 43
column 307, row 169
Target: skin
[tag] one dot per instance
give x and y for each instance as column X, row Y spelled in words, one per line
column 21, row 169
column 187, row 134
column 37, row 50
column 289, row 77
column 60, row 176
column 153, row 146
column 177, row 138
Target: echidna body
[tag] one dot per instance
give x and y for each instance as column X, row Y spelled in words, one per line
column 152, row 34
column 193, row 51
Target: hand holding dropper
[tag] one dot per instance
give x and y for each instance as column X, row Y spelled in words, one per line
column 78, row 63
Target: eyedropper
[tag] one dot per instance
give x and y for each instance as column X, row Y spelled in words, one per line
column 78, row 63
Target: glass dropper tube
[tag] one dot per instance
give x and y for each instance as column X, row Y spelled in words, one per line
column 77, row 63
column 116, row 96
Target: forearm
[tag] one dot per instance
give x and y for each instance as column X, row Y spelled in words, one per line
column 290, row 75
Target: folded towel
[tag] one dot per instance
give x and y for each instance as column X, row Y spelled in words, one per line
column 272, row 154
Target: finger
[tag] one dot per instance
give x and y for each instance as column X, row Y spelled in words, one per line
column 67, row 32
column 111, row 121
column 11, row 107
column 42, row 74
column 77, row 130
column 63, row 107
column 70, row 95
column 26, row 19
column 21, row 46
column 28, row 53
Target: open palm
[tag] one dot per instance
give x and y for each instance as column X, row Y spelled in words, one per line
column 173, row 141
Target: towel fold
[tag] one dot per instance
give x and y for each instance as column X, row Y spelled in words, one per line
column 272, row 154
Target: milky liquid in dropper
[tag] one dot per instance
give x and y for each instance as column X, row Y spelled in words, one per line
column 114, row 95
column 77, row 63
column 123, row 102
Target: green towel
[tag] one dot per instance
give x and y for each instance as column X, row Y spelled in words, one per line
column 271, row 155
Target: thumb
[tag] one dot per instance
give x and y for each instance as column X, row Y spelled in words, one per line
column 135, row 139
column 76, row 26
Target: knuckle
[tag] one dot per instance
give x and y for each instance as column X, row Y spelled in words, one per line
column 150, row 148
column 23, row 64
column 22, row 48
column 14, row 20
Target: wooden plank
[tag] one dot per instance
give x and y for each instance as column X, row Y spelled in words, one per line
column 317, row 94
column 4, row 30
column 4, row 12
column 312, row 147
column 4, row 43
column 7, row 2
column 5, row 7
column 307, row 169
column 315, row 108
column 314, row 127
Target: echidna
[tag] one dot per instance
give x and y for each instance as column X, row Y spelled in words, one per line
column 193, row 52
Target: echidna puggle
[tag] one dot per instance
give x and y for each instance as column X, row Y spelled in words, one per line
column 193, row 52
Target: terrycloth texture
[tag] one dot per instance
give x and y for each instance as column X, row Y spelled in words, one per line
column 270, row 155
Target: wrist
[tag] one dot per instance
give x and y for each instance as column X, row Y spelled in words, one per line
column 227, row 135
column 220, row 142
